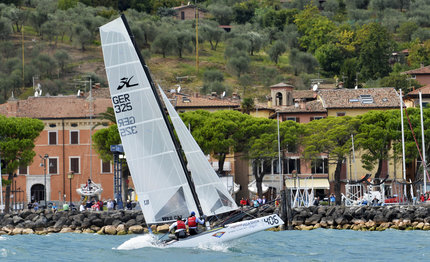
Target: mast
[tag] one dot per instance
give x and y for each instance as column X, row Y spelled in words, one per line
column 166, row 120
column 403, row 141
column 424, row 163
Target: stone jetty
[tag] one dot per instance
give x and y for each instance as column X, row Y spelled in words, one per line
column 120, row 222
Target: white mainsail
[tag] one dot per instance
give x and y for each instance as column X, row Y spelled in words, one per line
column 213, row 195
column 158, row 175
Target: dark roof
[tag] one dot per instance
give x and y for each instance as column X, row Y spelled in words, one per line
column 384, row 97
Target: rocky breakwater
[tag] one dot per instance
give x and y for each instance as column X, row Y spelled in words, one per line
column 362, row 218
column 45, row 221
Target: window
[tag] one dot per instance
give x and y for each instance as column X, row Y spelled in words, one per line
column 291, row 164
column 366, row 99
column 182, row 15
column 106, row 167
column 275, row 166
column 267, row 166
column 340, row 114
column 52, row 137
column 74, row 165
column 320, row 166
column 316, row 117
column 74, row 137
column 292, row 118
column 53, row 166
column 23, row 170
column 278, row 100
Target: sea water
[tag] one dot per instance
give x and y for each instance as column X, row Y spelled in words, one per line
column 315, row 245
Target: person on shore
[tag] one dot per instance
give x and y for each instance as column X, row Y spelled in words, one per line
column 259, row 200
column 263, row 201
column 192, row 222
column 422, row 199
column 109, row 204
column 332, row 200
column 36, row 206
column 65, row 206
column 100, row 205
column 82, row 207
column 243, row 202
column 88, row 204
column 129, row 206
column 30, row 206
column 179, row 227
column 316, row 201
column 54, row 208
column 255, row 202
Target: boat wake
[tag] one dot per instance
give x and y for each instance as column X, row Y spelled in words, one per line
column 146, row 240
column 2, row 238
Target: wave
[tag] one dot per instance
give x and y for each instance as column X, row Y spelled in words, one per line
column 147, row 240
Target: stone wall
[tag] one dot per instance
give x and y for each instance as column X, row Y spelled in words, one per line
column 132, row 222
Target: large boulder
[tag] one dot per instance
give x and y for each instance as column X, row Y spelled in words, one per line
column 17, row 219
column 163, row 228
column 60, row 222
column 313, row 220
column 110, row 230
column 137, row 229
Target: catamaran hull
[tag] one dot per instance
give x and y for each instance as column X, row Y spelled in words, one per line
column 229, row 232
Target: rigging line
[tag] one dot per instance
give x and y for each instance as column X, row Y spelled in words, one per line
column 416, row 142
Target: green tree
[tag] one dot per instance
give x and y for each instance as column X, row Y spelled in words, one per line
column 247, row 105
column 17, row 137
column 182, row 42
column 276, row 50
column 399, row 81
column 330, row 57
column 331, row 136
column 223, row 14
column 5, row 28
column 244, row 11
column 164, row 43
column 103, row 139
column 217, row 133
column 212, row 33
column 374, row 137
column 62, row 58
column 375, row 48
column 66, row 4
column 419, row 53
column 406, row 30
column 315, row 29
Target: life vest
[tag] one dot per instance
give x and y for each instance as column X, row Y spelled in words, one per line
column 180, row 225
column 192, row 222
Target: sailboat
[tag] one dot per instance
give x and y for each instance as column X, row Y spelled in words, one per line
column 166, row 187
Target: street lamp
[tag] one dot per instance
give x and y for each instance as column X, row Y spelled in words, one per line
column 70, row 176
column 46, row 156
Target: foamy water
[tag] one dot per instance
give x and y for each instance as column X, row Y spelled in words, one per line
column 147, row 240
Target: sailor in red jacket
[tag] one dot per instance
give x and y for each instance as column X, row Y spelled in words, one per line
column 180, row 228
column 192, row 222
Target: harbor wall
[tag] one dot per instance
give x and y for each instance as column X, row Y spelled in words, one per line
column 132, row 222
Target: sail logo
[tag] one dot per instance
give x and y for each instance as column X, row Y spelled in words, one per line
column 219, row 234
column 125, row 81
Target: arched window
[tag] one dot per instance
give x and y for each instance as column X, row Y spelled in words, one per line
column 37, row 192
column 279, row 99
column 289, row 99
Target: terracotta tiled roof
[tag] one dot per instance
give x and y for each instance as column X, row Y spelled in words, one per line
column 183, row 101
column 419, row 71
column 359, row 98
column 308, row 107
column 425, row 90
column 54, row 107
column 306, row 94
